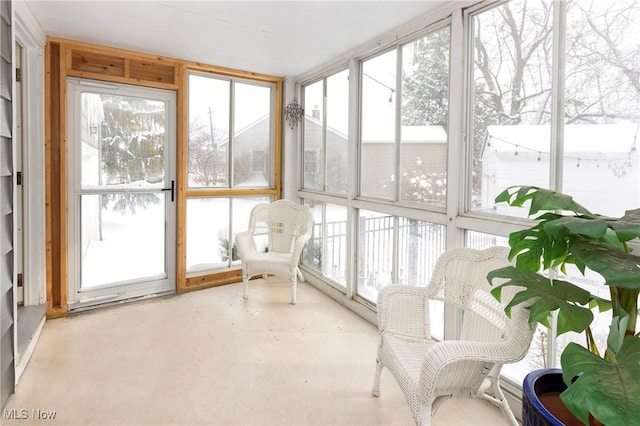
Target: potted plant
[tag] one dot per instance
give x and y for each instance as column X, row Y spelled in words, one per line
column 601, row 382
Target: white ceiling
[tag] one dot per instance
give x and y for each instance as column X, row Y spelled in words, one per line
column 271, row 37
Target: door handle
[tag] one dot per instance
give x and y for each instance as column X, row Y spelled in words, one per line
column 172, row 189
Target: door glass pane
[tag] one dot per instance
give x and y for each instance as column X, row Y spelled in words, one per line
column 313, row 136
column 425, row 109
column 378, row 149
column 123, row 141
column 208, row 131
column 375, row 253
column 511, row 101
column 337, row 131
column 122, row 238
column 602, row 105
column 252, row 160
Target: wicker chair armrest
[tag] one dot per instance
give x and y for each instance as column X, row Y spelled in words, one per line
column 245, row 244
column 448, row 352
column 404, row 310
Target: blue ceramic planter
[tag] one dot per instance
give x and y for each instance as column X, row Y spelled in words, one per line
column 536, row 383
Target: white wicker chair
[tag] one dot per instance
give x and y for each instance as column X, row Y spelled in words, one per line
column 429, row 371
column 284, row 227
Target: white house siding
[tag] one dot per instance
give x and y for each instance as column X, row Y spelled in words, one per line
column 246, row 143
column 423, row 148
column 336, row 156
column 7, row 197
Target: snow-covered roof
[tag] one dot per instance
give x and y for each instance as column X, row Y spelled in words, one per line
column 409, row 134
column 578, row 138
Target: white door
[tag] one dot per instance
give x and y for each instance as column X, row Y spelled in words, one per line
column 121, row 175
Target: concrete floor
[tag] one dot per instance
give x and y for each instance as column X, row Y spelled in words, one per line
column 211, row 358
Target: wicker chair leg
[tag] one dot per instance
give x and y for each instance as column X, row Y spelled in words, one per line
column 294, row 285
column 425, row 415
column 501, row 401
column 376, row 380
column 245, row 286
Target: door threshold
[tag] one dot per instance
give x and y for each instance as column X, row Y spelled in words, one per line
column 81, row 309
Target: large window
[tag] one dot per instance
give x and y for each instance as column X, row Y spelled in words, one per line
column 511, row 104
column 403, row 150
column 602, row 105
column 231, row 133
column 589, row 131
column 231, row 149
column 326, row 120
column 378, row 123
column 325, row 172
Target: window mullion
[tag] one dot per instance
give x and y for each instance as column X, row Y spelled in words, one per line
column 324, row 134
column 395, row 261
column 323, row 249
column 398, row 120
column 557, row 95
column 231, row 138
column 557, row 131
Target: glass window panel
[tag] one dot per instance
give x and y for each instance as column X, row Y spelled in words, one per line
column 210, row 229
column 252, row 136
column 481, row 240
column 314, row 136
column 337, row 131
column 335, row 266
column 326, row 251
column 376, row 236
column 312, row 253
column 420, row 244
column 208, row 131
column 241, row 212
column 123, row 141
column 602, row 105
column 378, row 138
column 425, row 107
column 120, row 239
column 207, row 233
column 511, row 101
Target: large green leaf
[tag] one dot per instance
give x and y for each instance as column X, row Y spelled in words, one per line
column 541, row 200
column 628, row 226
column 610, row 391
column 594, row 228
column 545, row 296
column 619, row 268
